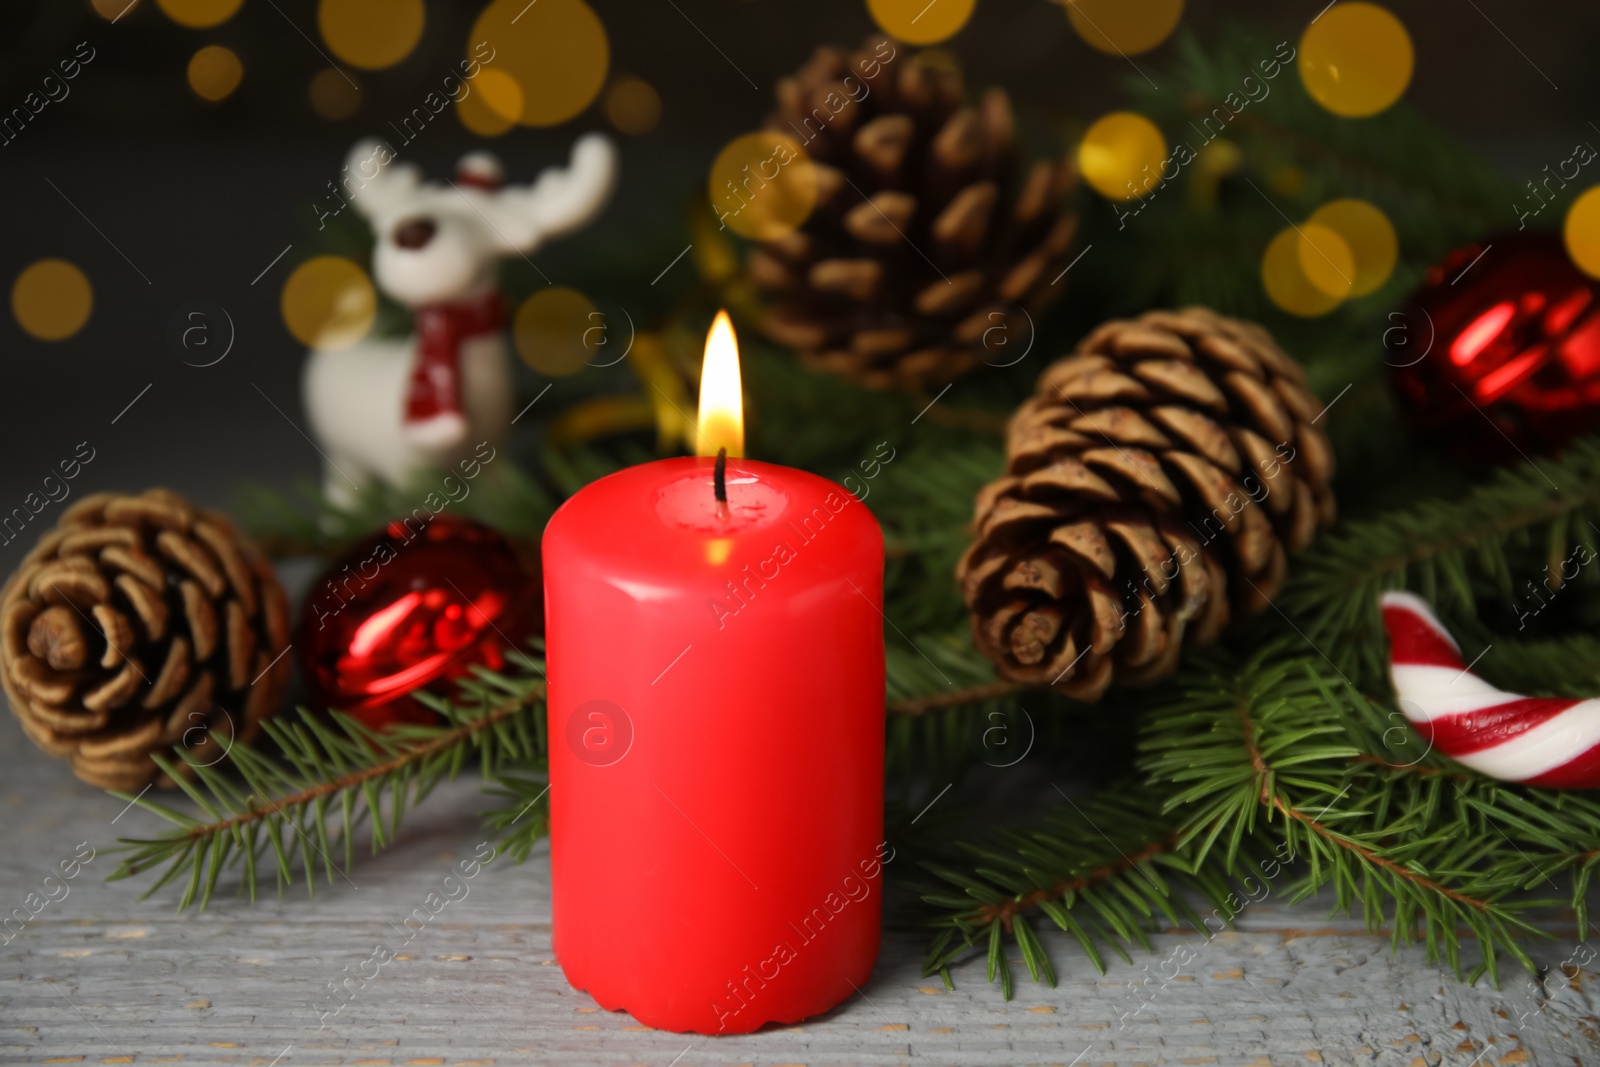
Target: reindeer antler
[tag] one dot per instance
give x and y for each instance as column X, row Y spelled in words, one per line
column 560, row 201
column 378, row 185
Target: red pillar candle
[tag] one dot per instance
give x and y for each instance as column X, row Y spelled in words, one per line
column 716, row 706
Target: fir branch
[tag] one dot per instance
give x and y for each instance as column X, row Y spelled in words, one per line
column 525, row 820
column 1251, row 150
column 953, row 698
column 1101, row 872
column 978, row 420
column 1429, row 855
column 1274, row 798
column 1400, row 152
column 1454, row 554
column 1274, row 755
column 1413, row 768
column 926, row 671
column 1006, row 912
column 327, row 777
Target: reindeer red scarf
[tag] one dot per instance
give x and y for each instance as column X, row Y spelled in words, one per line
column 433, row 396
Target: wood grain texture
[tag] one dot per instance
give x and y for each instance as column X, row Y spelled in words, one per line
column 99, row 977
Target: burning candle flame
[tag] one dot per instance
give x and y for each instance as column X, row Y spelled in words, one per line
column 721, row 422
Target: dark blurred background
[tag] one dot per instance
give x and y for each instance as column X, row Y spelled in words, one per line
column 175, row 199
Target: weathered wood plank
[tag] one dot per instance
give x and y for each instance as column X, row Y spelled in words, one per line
column 98, row 976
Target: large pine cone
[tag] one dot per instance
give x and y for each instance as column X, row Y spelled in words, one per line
column 923, row 251
column 1154, row 486
column 137, row 624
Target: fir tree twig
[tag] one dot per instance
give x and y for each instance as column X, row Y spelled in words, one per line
column 1420, row 852
column 1453, row 553
column 971, row 694
column 328, row 776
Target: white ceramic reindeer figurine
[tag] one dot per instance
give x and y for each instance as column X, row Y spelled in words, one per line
column 387, row 409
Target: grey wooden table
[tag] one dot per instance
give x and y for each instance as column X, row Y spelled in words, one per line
column 99, row 977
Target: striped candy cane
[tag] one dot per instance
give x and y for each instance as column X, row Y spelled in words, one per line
column 1544, row 741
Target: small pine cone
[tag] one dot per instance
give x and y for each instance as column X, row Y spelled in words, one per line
column 928, row 250
column 137, row 624
column 1154, row 486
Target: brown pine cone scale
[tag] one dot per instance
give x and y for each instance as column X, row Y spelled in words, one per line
column 140, row 623
column 1156, row 484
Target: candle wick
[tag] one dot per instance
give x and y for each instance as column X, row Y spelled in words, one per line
column 719, row 480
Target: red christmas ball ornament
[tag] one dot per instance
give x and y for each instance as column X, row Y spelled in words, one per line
column 411, row 607
column 1498, row 353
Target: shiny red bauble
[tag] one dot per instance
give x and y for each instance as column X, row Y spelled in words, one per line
column 415, row 605
column 1498, row 354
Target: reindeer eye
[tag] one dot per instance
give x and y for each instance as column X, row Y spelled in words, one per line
column 415, row 233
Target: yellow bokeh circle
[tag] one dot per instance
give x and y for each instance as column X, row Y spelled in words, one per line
column 1356, row 59
column 371, row 34
column 557, row 330
column 1370, row 237
column 556, row 50
column 493, row 105
column 1326, row 260
column 1581, row 231
column 762, row 185
column 1124, row 27
column 196, row 14
column 215, row 72
column 51, row 299
column 112, row 10
column 1283, row 270
column 334, row 94
column 501, row 94
column 919, row 21
column 633, row 106
column 1121, row 155
column 328, row 302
